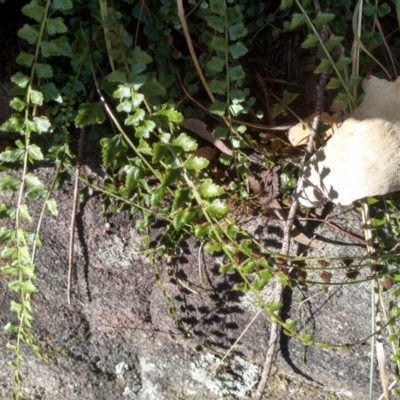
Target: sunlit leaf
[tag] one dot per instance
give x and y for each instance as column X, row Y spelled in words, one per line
column 209, row 189
column 195, row 163
column 217, row 208
column 186, row 142
column 111, row 148
column 52, row 206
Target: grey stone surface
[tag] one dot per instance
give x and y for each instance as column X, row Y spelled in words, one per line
column 118, row 341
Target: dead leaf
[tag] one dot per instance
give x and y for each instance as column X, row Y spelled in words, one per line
column 363, row 156
column 201, row 128
column 207, row 152
column 298, row 134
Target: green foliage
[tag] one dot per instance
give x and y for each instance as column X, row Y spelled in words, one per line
column 130, row 94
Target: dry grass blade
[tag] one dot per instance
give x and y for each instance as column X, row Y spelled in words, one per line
column 380, row 352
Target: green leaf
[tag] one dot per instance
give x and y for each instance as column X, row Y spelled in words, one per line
column 49, row 49
column 144, row 129
column 218, row 7
column 144, row 148
column 384, row 9
column 42, row 124
column 5, row 234
column 157, row 195
column 275, row 306
column 50, row 92
column 217, row 208
column 52, row 206
column 15, row 306
column 186, row 142
column 9, row 183
column 29, row 287
column 17, row 104
column 195, row 163
column 160, row 152
column 216, row 64
column 277, row 109
column 297, row 20
column 259, row 284
column 153, row 88
column 34, row 11
column 334, row 83
column 34, row 152
column 218, row 108
column 135, row 118
column 171, row 175
column 289, row 97
column 20, row 79
column 56, row 25
column 218, row 87
column 324, row 65
column 25, row 59
column 12, row 155
column 322, row 19
column 125, row 106
column 10, row 270
column 182, row 196
column 378, row 222
column 221, row 132
column 237, row 50
column 341, row 98
column 24, row 213
column 168, row 114
column 139, row 56
column 333, row 42
column 122, row 91
column 311, row 41
column 63, row 46
column 212, row 247
column 209, row 189
column 117, row 76
column 234, row 15
column 286, row 4
column 219, row 43
column 237, row 31
column 7, row 211
column 177, row 220
column 111, row 148
column 202, row 231
column 236, row 73
column 90, row 114
column 353, row 81
column 28, row 33
column 33, row 181
column 343, row 62
column 62, row 4
column 216, row 22
column 36, row 97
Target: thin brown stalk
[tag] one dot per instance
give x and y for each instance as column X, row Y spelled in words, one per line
column 274, row 333
column 73, row 215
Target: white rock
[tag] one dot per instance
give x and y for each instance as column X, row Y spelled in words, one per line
column 363, row 157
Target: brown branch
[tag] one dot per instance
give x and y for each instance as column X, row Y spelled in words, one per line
column 278, row 297
column 73, row 215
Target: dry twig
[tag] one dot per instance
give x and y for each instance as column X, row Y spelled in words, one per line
column 274, row 334
column 73, row 215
